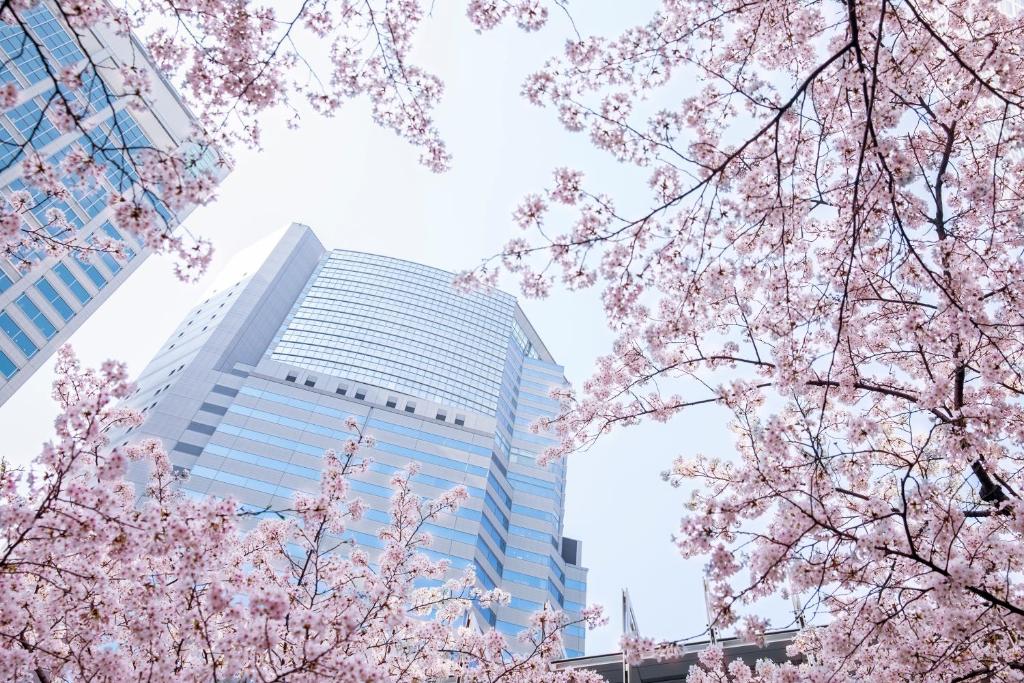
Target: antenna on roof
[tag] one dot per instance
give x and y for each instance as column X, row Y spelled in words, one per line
column 712, row 631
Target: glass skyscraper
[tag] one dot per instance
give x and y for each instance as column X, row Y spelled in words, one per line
column 259, row 379
column 43, row 298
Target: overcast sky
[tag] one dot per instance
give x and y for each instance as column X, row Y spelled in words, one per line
column 361, row 188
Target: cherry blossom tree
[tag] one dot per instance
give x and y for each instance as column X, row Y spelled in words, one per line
column 95, row 584
column 232, row 60
column 829, row 247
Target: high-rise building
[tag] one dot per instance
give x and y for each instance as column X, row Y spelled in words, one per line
column 260, row 377
column 44, row 298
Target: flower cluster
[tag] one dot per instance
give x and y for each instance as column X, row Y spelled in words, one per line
column 830, row 251
column 96, row 584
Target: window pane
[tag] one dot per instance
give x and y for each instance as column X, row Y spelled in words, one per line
column 32, row 312
column 92, row 271
column 17, row 335
column 50, row 293
column 7, row 366
column 72, row 283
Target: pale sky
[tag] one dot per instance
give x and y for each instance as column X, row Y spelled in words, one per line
column 361, row 188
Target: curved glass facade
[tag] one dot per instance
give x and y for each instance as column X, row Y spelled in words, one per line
column 401, row 326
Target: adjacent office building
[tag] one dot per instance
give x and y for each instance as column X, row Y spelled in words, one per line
column 260, row 377
column 615, row 669
column 43, row 298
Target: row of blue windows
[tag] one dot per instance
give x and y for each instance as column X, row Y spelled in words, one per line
column 575, row 631
column 54, row 298
column 525, row 605
column 489, row 555
column 58, row 42
column 544, row 401
column 262, row 461
column 17, row 45
column 527, row 532
column 548, row 517
column 525, row 579
column 239, row 480
column 534, row 438
column 278, row 489
column 527, row 555
column 7, row 366
column 542, row 367
column 533, row 481
column 509, row 629
column 576, row 585
column 314, row 475
column 537, row 558
column 363, row 538
column 454, row 560
column 541, row 491
column 91, row 271
column 326, row 431
column 429, row 457
column 380, row 424
column 427, row 436
column 543, row 389
column 17, row 335
column 503, row 443
column 496, row 535
column 555, row 593
column 35, row 316
column 493, row 507
column 72, row 283
column 450, row 534
column 308, row 472
column 502, row 494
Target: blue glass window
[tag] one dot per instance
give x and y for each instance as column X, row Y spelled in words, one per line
column 489, row 554
column 17, row 335
column 91, row 271
column 72, row 283
column 524, row 579
column 22, row 51
column 525, row 605
column 526, row 555
column 493, row 531
column 527, row 532
column 5, row 282
column 53, row 36
column 7, row 366
column 108, row 259
column 32, row 312
column 509, row 629
column 114, row 234
column 533, row 512
column 50, row 293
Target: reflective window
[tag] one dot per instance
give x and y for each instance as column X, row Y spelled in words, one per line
column 17, row 335
column 7, row 366
column 54, row 298
column 32, row 312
